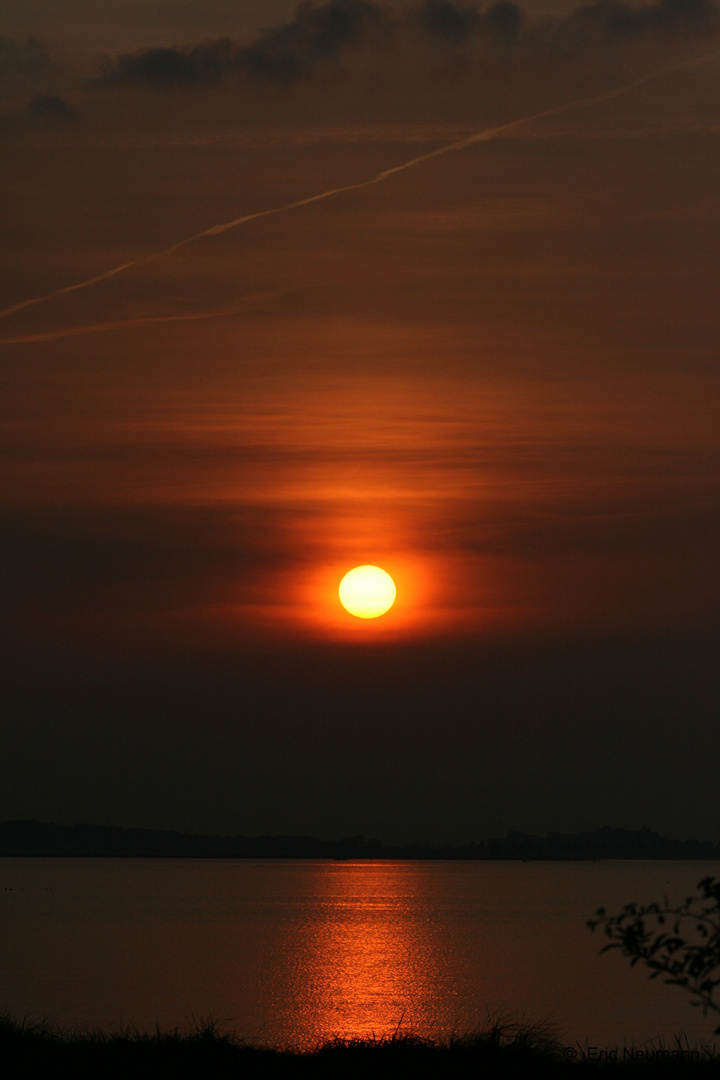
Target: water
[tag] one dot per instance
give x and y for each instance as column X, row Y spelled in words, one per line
column 295, row 952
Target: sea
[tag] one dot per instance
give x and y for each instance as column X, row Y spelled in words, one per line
column 292, row 953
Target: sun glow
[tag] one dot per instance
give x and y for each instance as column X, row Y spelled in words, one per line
column 367, row 592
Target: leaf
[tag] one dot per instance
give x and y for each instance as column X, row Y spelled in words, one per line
column 688, row 957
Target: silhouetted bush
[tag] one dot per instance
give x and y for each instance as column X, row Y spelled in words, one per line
column 680, row 943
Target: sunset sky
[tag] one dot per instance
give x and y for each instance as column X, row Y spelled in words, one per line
column 492, row 371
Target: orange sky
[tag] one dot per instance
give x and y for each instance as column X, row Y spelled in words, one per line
column 493, row 373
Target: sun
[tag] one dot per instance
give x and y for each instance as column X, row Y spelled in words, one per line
column 367, row 591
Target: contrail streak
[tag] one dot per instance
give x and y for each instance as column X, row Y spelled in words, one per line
column 145, row 320
column 459, row 144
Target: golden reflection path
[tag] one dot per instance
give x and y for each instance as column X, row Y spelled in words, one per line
column 371, row 963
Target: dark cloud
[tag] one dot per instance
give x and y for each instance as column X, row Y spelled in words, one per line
column 322, row 37
column 616, row 19
column 48, row 108
column 504, row 20
column 614, row 23
column 324, row 31
column 165, row 67
column 455, row 25
column 448, row 21
column 318, row 34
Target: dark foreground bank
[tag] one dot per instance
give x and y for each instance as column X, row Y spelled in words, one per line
column 503, row 1050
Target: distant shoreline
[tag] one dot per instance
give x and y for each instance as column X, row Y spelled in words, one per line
column 43, row 839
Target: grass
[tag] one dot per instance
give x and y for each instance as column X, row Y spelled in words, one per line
column 504, row 1048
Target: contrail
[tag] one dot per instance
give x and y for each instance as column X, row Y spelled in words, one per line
column 459, row 144
column 145, row 320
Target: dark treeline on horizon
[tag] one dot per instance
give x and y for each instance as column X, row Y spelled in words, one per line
column 36, row 838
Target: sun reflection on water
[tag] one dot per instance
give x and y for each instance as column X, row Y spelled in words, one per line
column 370, row 964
